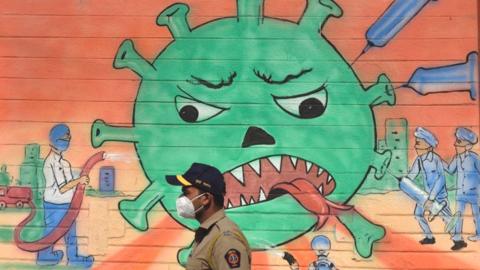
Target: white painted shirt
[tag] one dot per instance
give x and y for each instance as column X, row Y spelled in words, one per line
column 57, row 172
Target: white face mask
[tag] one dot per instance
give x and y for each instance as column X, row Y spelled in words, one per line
column 185, row 206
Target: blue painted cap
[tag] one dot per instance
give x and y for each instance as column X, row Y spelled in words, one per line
column 426, row 135
column 466, row 134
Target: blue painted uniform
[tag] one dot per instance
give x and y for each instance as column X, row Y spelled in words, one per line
column 431, row 167
column 467, row 169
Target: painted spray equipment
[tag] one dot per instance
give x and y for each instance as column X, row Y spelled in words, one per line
column 420, row 197
column 67, row 220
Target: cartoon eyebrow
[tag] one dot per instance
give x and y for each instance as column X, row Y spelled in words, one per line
column 289, row 77
column 196, row 81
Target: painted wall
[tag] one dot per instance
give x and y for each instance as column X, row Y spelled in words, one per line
column 306, row 108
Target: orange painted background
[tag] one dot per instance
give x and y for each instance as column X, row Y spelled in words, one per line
column 56, row 66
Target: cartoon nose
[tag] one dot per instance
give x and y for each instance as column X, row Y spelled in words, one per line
column 256, row 135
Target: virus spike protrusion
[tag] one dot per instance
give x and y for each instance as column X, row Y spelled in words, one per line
column 381, row 92
column 317, row 12
column 175, row 18
column 128, row 57
column 250, row 11
column 101, row 132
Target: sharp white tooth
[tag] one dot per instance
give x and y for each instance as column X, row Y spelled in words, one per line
column 309, row 165
column 294, row 161
column 252, row 200
column 321, row 189
column 276, row 162
column 229, row 205
column 329, row 179
column 238, row 173
column 262, row 196
column 320, row 171
column 255, row 166
column 242, row 201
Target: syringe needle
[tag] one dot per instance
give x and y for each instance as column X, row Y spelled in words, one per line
column 367, row 47
column 355, row 60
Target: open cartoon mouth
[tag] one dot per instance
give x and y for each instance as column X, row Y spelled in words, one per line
column 267, row 178
column 258, row 180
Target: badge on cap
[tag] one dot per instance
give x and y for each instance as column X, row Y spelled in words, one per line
column 233, row 258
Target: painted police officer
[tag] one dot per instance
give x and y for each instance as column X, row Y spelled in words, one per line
column 466, row 166
column 219, row 244
column 430, row 165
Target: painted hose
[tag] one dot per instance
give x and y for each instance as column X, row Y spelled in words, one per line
column 67, row 220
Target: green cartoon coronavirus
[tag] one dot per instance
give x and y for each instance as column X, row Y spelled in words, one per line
column 270, row 103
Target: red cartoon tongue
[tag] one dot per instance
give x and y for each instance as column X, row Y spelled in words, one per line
column 312, row 200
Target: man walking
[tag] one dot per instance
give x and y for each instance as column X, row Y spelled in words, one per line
column 219, row 244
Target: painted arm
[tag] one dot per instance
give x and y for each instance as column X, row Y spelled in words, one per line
column 414, row 170
column 476, row 164
column 440, row 181
column 452, row 167
column 68, row 182
column 72, row 184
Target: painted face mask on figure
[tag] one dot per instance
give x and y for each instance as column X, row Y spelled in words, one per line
column 461, row 146
column 421, row 147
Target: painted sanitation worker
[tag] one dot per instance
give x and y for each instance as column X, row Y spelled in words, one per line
column 430, row 165
column 466, row 165
column 59, row 189
column 321, row 245
column 219, row 244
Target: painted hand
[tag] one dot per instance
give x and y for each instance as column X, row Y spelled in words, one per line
column 428, row 206
column 84, row 180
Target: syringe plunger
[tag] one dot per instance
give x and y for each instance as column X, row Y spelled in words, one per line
column 451, row 78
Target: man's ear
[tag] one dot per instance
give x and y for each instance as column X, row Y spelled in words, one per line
column 207, row 197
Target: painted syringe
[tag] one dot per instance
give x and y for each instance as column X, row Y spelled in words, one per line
column 449, row 78
column 418, row 195
column 394, row 19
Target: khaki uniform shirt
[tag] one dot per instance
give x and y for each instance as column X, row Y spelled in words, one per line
column 219, row 244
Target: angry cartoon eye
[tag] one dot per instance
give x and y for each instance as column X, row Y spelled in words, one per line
column 193, row 111
column 305, row 106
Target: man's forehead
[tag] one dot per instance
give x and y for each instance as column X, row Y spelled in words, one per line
column 189, row 189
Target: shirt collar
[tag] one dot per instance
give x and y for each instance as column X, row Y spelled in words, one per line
column 428, row 155
column 56, row 155
column 463, row 155
column 213, row 219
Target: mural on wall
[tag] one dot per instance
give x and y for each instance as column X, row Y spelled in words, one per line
column 262, row 158
column 276, row 106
